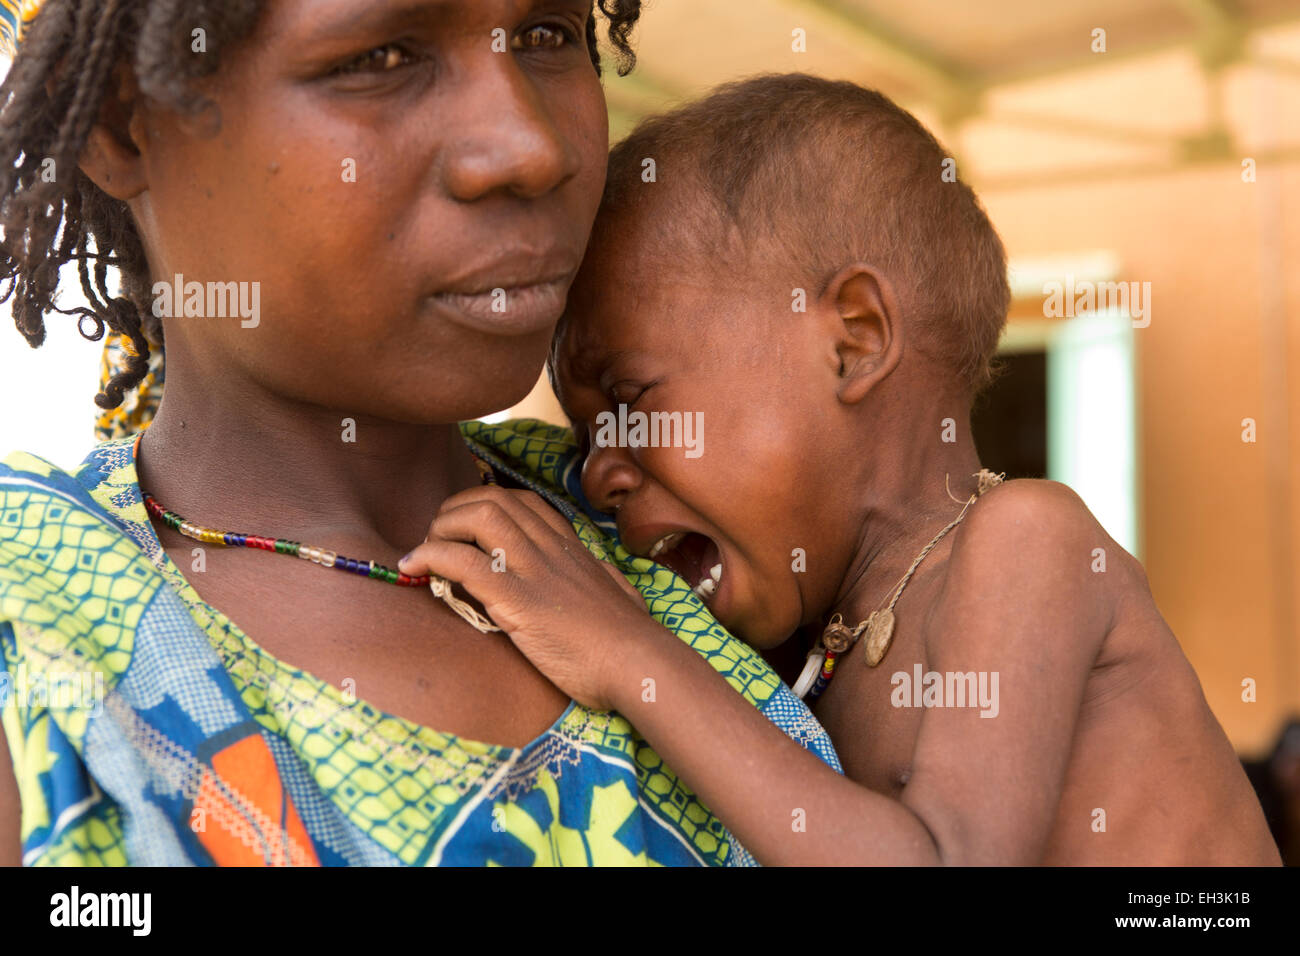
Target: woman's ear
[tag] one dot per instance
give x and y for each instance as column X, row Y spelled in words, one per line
column 111, row 157
column 867, row 329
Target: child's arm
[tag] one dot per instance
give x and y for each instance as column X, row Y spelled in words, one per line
column 982, row 790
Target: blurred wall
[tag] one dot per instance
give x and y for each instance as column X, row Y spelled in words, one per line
column 1219, row 516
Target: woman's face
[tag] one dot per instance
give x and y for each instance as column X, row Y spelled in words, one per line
column 412, row 184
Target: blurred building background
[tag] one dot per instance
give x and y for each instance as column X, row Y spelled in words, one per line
column 1136, row 141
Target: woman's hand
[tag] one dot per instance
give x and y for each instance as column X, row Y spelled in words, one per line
column 575, row 617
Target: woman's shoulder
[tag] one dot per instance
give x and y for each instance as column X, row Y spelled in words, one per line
column 65, row 536
column 23, row 473
column 37, row 498
column 71, row 586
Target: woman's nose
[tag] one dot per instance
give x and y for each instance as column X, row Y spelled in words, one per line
column 609, row 476
column 507, row 139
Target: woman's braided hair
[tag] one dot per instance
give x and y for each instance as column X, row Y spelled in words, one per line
column 50, row 211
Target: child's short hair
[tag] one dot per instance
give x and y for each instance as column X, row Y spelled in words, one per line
column 826, row 173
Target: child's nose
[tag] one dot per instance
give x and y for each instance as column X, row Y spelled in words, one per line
column 609, row 475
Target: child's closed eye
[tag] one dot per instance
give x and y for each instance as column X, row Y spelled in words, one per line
column 629, row 393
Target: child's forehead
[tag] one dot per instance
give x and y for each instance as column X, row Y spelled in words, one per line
column 634, row 318
column 599, row 344
column 642, row 257
column 592, row 338
column 591, row 363
column 657, row 274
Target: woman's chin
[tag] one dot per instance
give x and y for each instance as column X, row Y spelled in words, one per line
column 460, row 393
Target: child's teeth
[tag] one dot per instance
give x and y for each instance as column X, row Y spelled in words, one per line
column 662, row 544
column 706, row 588
column 715, row 572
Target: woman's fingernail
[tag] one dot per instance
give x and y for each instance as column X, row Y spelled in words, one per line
column 405, row 558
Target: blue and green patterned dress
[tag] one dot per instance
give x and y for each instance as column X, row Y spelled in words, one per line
column 147, row 728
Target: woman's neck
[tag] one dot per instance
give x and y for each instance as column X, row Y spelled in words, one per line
column 249, row 462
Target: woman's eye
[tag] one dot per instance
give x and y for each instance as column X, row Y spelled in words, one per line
column 542, row 37
column 381, row 59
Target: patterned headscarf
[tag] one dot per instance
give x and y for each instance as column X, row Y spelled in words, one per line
column 15, row 16
column 140, row 403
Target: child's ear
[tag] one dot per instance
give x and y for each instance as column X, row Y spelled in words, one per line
column 868, row 331
column 111, row 156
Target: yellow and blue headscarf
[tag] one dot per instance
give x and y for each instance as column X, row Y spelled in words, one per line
column 139, row 404
column 15, row 17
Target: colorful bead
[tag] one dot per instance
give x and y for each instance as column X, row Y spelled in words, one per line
column 322, row 556
column 824, row 677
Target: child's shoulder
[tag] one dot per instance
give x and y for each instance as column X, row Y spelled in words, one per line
column 1031, row 550
column 1030, row 520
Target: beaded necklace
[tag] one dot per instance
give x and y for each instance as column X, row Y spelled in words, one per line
column 322, row 556
column 325, row 557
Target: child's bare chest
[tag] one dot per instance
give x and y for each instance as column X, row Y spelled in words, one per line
column 399, row 649
column 873, row 734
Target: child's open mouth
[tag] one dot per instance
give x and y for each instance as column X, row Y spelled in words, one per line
column 694, row 557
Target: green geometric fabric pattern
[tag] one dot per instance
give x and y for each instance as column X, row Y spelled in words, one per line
column 86, row 590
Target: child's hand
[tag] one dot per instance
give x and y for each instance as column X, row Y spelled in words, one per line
column 570, row 614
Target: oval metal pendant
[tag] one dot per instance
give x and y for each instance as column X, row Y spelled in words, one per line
column 880, row 632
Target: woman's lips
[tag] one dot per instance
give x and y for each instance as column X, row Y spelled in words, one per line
column 515, row 310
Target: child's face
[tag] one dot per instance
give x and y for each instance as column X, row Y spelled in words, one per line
column 380, row 169
column 727, row 350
